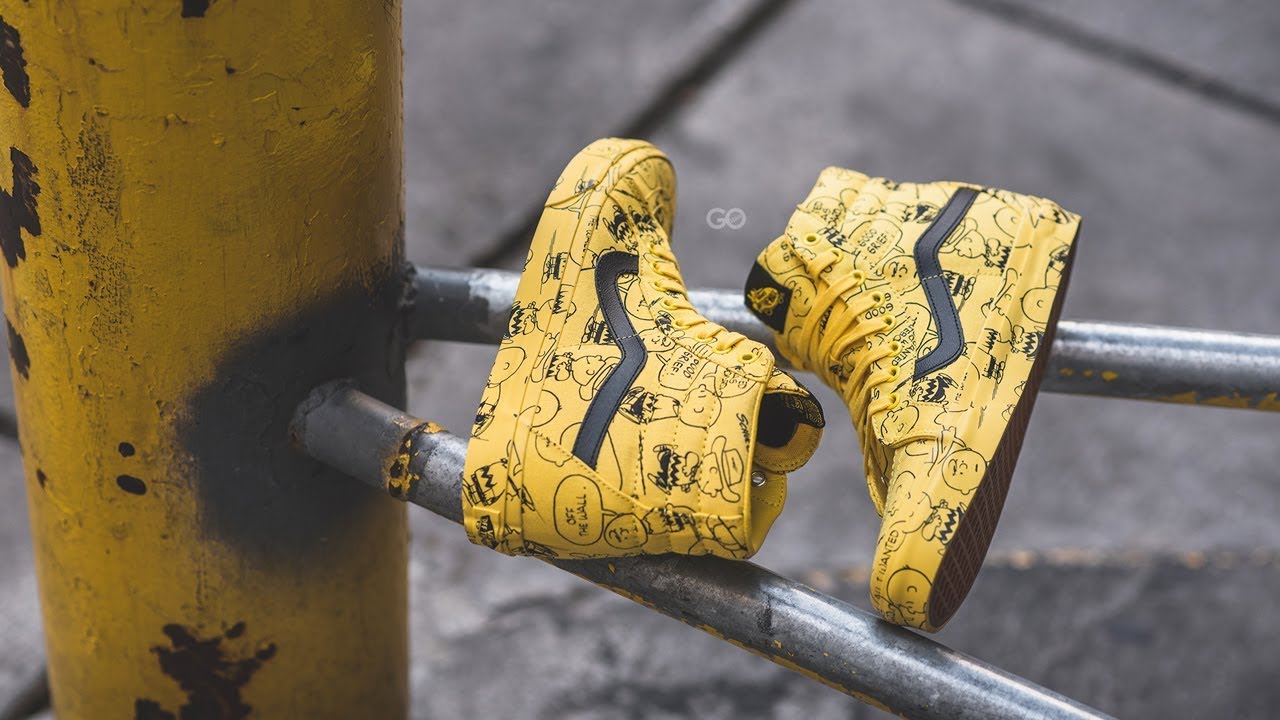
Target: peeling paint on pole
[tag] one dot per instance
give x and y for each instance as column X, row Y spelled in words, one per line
column 201, row 220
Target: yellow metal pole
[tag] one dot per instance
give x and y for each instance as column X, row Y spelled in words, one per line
column 201, row 220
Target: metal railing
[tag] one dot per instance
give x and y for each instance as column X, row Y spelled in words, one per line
column 1089, row 358
column 772, row 616
column 739, row 602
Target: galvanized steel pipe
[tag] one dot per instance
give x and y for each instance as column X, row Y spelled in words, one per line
column 746, row 605
column 1090, row 358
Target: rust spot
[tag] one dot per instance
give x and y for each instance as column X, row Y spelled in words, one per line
column 126, row 449
column 211, row 680
column 194, row 8
column 13, row 66
column 18, row 211
column 131, row 485
column 18, row 351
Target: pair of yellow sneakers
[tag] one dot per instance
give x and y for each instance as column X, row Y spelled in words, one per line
column 619, row 421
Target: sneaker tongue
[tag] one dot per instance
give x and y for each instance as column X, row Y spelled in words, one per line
column 789, row 425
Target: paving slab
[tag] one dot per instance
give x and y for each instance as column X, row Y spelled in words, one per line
column 1229, row 43
column 1139, row 637
column 498, row 95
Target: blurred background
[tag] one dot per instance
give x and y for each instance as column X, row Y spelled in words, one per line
column 1137, row 565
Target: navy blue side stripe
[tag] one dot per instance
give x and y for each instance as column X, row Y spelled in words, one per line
column 604, row 406
column 945, row 316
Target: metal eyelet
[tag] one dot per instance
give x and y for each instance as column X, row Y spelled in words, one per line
column 810, row 239
column 747, row 357
column 895, row 347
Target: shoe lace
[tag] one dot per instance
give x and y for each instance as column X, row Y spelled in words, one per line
column 675, row 298
column 835, row 327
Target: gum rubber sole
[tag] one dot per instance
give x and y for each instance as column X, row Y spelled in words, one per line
column 967, row 550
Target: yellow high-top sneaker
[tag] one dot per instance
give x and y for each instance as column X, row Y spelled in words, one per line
column 930, row 309
column 617, row 420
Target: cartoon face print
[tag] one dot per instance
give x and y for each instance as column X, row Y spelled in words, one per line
column 655, row 340
column 932, row 388
column 942, row 522
column 1058, row 258
column 625, row 532
column 486, row 484
column 960, row 286
column 701, row 408
column 547, row 408
column 1000, row 300
column 723, row 472
column 554, row 266
column 597, row 332
column 715, row 531
column 966, row 241
column 896, row 267
column 642, row 406
column 1026, row 342
column 675, row 471
column 549, row 451
column 588, row 370
column 507, row 363
column 963, row 469
column 803, row 291
column 1054, row 214
column 996, row 254
column 1037, row 304
column 563, row 303
column 619, row 225
column 524, row 319
column 897, row 423
column 908, row 597
column 1008, row 220
column 668, row 519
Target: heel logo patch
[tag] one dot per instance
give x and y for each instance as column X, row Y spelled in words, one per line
column 767, row 298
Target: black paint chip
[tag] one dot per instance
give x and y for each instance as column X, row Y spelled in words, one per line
column 18, row 351
column 194, row 8
column 13, row 65
column 131, row 485
column 18, row 211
